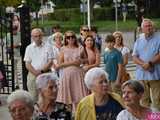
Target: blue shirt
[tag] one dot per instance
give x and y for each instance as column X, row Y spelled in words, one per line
column 111, row 59
column 146, row 49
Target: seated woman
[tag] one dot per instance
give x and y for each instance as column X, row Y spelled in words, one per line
column 102, row 104
column 46, row 108
column 21, row 105
column 132, row 93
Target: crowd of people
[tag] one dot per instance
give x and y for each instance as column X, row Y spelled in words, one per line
column 65, row 80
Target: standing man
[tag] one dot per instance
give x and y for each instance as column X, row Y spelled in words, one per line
column 146, row 54
column 38, row 59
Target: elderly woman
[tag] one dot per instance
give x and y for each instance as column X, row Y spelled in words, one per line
column 101, row 104
column 132, row 93
column 21, row 105
column 46, row 108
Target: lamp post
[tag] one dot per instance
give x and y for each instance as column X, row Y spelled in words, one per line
column 116, row 13
column 88, row 13
column 83, row 9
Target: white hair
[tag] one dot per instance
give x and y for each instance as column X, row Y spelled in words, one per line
column 21, row 95
column 146, row 20
column 42, row 80
column 92, row 74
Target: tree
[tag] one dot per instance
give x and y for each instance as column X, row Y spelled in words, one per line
column 10, row 2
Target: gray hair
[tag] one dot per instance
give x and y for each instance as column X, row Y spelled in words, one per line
column 135, row 85
column 147, row 20
column 42, row 80
column 92, row 74
column 37, row 30
column 21, row 95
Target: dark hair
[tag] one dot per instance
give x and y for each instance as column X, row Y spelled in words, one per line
column 73, row 33
column 94, row 29
column 56, row 26
column 109, row 38
column 93, row 47
column 135, row 85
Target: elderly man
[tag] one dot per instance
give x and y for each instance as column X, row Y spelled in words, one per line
column 38, row 59
column 146, row 54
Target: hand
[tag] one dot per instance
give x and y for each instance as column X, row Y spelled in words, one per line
column 38, row 72
column 85, row 68
column 146, row 66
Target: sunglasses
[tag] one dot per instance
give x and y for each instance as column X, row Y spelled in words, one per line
column 68, row 37
column 85, row 30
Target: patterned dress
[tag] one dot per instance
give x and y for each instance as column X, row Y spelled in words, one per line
column 72, row 88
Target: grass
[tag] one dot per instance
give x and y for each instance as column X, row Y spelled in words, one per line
column 107, row 25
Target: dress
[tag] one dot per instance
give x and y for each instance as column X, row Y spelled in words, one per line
column 72, row 88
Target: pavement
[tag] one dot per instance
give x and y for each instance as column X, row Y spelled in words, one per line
column 128, row 41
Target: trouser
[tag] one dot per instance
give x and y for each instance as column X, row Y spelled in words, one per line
column 31, row 84
column 151, row 97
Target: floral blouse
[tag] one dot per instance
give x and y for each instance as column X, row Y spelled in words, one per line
column 60, row 112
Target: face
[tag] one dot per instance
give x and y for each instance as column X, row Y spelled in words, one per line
column 84, row 31
column 130, row 97
column 89, row 42
column 37, row 37
column 70, row 38
column 110, row 45
column 58, row 39
column 50, row 91
column 101, row 85
column 118, row 39
column 147, row 28
column 20, row 110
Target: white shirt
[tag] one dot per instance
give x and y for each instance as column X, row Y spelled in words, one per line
column 38, row 56
column 124, row 50
column 125, row 115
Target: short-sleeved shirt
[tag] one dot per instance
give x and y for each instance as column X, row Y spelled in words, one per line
column 124, row 50
column 146, row 49
column 112, row 58
column 110, row 110
column 38, row 56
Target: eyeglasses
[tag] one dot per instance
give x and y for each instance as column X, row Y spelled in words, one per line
column 68, row 37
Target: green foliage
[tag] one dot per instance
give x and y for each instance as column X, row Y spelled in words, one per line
column 103, row 13
column 65, row 14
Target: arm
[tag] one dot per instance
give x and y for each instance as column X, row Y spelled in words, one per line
column 31, row 69
column 96, row 64
column 138, row 60
column 48, row 65
column 125, row 59
column 119, row 75
column 156, row 59
column 61, row 62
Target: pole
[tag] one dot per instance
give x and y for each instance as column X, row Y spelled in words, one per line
column 88, row 11
column 116, row 16
column 42, row 10
column 84, row 16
